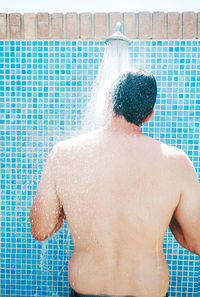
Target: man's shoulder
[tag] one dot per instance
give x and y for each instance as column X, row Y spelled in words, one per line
column 176, row 158
column 177, row 161
column 172, row 151
column 75, row 143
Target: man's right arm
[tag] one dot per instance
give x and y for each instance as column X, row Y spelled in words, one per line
column 185, row 223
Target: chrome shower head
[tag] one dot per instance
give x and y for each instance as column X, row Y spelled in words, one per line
column 118, row 35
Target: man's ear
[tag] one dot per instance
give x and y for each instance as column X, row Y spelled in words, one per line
column 149, row 117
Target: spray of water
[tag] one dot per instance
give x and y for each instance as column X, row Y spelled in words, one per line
column 114, row 62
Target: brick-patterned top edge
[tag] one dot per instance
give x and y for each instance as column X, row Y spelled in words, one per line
column 157, row 25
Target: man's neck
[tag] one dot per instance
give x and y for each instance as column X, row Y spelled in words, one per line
column 119, row 124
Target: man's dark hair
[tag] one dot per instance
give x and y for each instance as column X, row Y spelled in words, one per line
column 134, row 95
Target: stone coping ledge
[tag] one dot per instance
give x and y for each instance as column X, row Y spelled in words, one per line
column 97, row 26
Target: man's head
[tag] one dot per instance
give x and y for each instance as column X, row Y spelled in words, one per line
column 134, row 96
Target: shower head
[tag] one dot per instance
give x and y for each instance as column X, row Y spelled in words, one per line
column 118, row 35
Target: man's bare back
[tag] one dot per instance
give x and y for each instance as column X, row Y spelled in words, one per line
column 119, row 193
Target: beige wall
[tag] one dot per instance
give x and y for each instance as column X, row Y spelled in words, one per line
column 88, row 26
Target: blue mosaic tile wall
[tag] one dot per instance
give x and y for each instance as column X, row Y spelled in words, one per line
column 44, row 87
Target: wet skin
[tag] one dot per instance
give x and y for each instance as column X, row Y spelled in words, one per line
column 118, row 190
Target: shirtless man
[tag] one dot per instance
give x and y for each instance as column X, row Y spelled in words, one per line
column 119, row 191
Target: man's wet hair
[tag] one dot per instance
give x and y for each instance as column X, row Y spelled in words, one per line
column 134, row 95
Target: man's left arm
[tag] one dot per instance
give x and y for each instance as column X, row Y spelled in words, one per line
column 47, row 215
